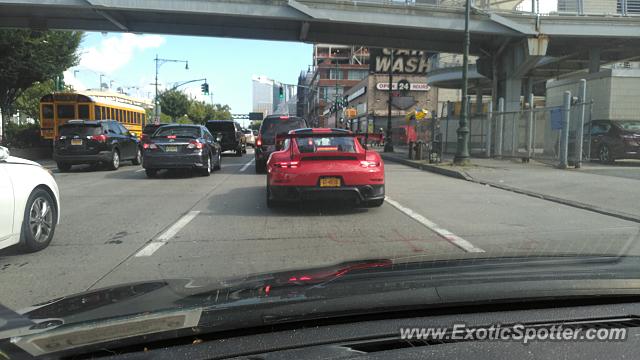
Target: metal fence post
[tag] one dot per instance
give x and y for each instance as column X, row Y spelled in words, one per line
column 580, row 132
column 487, row 142
column 514, row 133
column 446, row 132
column 530, row 128
column 564, row 135
column 499, row 127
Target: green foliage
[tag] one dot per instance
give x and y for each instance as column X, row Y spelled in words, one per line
column 28, row 102
column 255, row 125
column 22, row 136
column 30, row 56
column 219, row 112
column 198, row 112
column 174, row 103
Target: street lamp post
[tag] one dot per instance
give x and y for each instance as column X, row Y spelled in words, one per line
column 462, row 150
column 101, row 76
column 160, row 62
column 388, row 144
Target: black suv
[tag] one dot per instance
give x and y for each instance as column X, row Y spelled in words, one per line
column 271, row 126
column 231, row 134
column 93, row 142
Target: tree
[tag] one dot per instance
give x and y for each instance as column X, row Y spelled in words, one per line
column 218, row 112
column 197, row 112
column 28, row 102
column 174, row 103
column 255, row 125
column 30, row 56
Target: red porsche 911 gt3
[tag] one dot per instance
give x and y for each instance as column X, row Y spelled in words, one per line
column 324, row 163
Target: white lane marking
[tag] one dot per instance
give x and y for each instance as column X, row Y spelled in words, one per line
column 140, row 170
column 446, row 234
column 167, row 235
column 247, row 165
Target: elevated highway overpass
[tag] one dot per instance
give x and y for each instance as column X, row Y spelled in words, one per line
column 512, row 45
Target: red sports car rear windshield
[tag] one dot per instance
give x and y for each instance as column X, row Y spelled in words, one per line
column 326, row 144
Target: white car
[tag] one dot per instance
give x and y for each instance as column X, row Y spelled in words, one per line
column 29, row 203
column 249, row 137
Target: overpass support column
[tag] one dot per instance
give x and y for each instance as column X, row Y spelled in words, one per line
column 594, row 60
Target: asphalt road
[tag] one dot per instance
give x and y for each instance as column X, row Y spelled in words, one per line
column 119, row 226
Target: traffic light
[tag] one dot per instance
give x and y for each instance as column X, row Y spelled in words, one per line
column 281, row 92
column 205, row 88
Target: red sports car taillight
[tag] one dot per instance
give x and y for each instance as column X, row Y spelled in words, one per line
column 287, row 164
column 259, row 141
column 369, row 164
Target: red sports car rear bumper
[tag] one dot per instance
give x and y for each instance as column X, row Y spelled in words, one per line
column 358, row 193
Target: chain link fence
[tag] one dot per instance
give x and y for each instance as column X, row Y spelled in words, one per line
column 537, row 133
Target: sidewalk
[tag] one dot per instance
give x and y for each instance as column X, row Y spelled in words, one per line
column 614, row 196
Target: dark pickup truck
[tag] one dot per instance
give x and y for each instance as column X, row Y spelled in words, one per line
column 232, row 137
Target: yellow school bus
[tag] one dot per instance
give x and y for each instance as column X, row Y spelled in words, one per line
column 58, row 108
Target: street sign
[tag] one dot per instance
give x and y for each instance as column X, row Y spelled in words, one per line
column 255, row 116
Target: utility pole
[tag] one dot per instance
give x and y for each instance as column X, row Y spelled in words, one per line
column 388, row 145
column 159, row 63
column 462, row 150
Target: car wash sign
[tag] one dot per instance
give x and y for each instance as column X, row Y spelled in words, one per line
column 400, row 61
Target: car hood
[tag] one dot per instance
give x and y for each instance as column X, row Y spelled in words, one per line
column 17, row 160
column 188, row 306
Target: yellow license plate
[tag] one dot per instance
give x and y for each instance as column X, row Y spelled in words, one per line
column 171, row 149
column 330, row 182
column 76, row 141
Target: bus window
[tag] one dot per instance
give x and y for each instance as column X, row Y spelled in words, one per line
column 83, row 112
column 47, row 111
column 128, row 116
column 98, row 111
column 66, row 111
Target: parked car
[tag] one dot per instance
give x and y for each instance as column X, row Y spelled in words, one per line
column 272, row 126
column 250, row 139
column 94, row 142
column 230, row 132
column 322, row 163
column 182, row 146
column 29, row 203
column 612, row 140
column 148, row 130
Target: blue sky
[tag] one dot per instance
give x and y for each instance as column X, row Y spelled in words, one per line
column 227, row 64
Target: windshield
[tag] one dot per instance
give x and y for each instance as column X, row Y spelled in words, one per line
column 629, row 125
column 215, row 127
column 326, row 144
column 243, row 166
column 279, row 125
column 80, row 129
column 177, row 131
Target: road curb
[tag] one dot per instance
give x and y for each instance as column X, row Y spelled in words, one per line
column 428, row 167
column 464, row 176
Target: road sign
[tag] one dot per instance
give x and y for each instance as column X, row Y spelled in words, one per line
column 256, row 116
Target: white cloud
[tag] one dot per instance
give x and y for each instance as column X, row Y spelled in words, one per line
column 70, row 79
column 116, row 51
